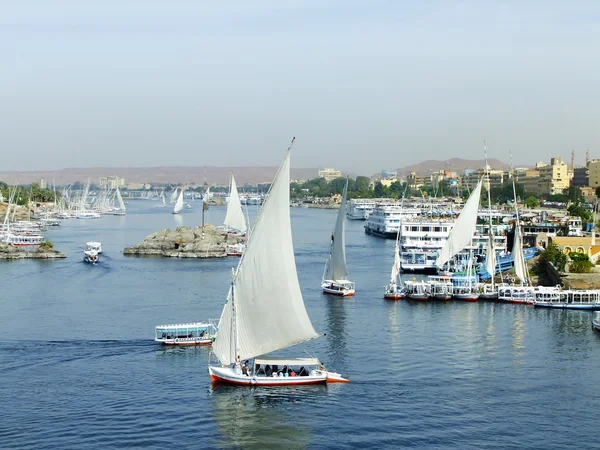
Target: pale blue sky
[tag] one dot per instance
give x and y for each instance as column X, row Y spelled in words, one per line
column 361, row 84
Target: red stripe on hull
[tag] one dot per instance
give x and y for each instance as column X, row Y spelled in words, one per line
column 217, row 379
column 393, row 297
column 187, row 343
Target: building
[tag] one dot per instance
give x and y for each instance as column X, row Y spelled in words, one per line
column 416, row 181
column 329, row 174
column 594, row 173
column 43, row 184
column 111, row 182
column 581, row 177
column 554, row 178
column 387, row 182
column 584, row 244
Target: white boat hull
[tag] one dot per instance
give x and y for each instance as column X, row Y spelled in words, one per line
column 230, row 376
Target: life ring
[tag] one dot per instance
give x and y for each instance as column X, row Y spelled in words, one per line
column 253, row 381
column 176, row 341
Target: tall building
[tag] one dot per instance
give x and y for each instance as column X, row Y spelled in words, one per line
column 554, row 177
column 594, row 172
column 329, row 174
column 111, row 182
column 581, row 177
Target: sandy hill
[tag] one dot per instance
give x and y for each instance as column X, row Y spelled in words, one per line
column 184, row 175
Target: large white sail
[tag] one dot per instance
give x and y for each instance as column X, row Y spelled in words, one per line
column 336, row 264
column 396, row 266
column 517, row 254
column 234, row 218
column 490, row 255
column 120, row 200
column 463, row 229
column 179, row 203
column 267, row 312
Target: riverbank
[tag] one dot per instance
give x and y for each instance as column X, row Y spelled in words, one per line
column 10, row 252
column 185, row 242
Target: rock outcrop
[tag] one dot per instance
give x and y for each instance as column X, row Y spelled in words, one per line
column 185, row 242
column 12, row 252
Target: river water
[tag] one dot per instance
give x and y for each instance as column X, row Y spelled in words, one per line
column 79, row 369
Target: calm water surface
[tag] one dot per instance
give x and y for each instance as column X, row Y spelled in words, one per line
column 79, row 369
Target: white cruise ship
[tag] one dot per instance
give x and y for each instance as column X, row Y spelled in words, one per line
column 385, row 220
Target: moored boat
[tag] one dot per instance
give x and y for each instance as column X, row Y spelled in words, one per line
column 265, row 311
column 441, row 287
column 554, row 297
column 416, row 290
column 196, row 333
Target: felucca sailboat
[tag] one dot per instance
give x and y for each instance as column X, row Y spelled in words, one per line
column 335, row 277
column 265, row 310
column 179, row 203
column 235, row 221
column 395, row 289
column 121, row 211
column 465, row 287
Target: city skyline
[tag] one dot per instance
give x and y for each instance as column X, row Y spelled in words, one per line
column 361, row 85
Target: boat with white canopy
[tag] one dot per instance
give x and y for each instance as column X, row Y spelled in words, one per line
column 265, row 311
column 335, row 276
column 196, row 333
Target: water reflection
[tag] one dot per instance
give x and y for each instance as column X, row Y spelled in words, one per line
column 335, row 317
column 178, row 219
column 518, row 333
column 263, row 417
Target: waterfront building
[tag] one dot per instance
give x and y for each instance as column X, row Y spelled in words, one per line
column 330, row 174
column 111, row 182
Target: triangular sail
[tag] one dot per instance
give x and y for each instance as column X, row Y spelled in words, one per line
column 490, row 261
column 463, row 229
column 396, row 265
column 179, row 204
column 173, row 196
column 120, row 200
column 267, row 308
column 517, row 254
column 234, row 218
column 336, row 264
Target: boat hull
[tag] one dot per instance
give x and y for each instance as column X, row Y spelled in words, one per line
column 591, row 307
column 339, row 293
column 184, row 342
column 228, row 376
column 596, row 326
column 466, row 297
column 393, row 296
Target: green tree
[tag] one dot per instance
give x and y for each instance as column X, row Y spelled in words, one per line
column 532, row 202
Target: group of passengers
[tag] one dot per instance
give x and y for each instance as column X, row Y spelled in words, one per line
column 274, row 371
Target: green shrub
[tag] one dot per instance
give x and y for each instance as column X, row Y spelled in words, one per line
column 46, row 245
column 580, row 263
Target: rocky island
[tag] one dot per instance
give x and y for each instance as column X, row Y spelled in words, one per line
column 42, row 252
column 185, row 242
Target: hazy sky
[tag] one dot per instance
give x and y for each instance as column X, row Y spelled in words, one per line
column 363, row 85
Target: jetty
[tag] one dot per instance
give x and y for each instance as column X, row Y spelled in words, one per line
column 185, row 242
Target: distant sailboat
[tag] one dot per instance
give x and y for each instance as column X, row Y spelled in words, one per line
column 335, row 277
column 179, row 203
column 265, row 311
column 234, row 218
column 163, row 203
column 122, row 210
column 173, row 197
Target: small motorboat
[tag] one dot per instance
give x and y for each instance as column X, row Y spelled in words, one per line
column 91, row 257
column 236, row 249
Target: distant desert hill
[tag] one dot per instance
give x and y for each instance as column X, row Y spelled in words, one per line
column 452, row 164
column 158, row 175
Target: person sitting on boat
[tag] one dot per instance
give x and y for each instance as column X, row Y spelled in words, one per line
column 292, row 373
column 268, row 370
column 245, row 368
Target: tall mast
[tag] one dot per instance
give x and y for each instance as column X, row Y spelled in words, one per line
column 234, row 319
column 489, row 195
